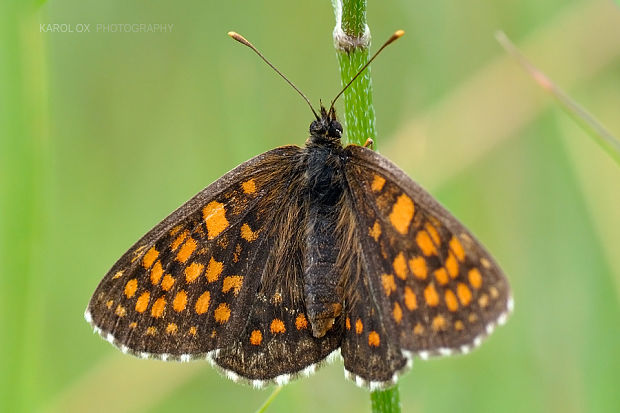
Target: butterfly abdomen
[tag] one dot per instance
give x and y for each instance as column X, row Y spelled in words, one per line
column 323, row 291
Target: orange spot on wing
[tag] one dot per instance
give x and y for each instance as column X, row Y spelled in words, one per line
column 167, row 282
column 452, row 265
column 373, row 339
column 464, row 294
column 158, row 307
column 156, row 272
column 475, row 278
column 347, row 323
column 458, row 325
column 179, row 240
column 109, row 304
column 423, row 239
column 249, row 186
column 301, row 322
column 277, row 326
column 441, row 275
column 214, row 269
column 214, row 215
column 118, row 274
column 418, row 329
column 256, row 338
column 180, row 301
column 457, row 248
column 232, row 282
column 120, row 311
column 143, row 302
column 193, row 331
column 439, row 323
column 237, row 253
column 483, row 301
column 377, row 183
column 411, row 301
column 171, row 328
column 388, row 283
column 400, row 266
column 375, row 231
column 151, row 331
column 418, row 267
column 187, row 249
column 402, row 214
column 359, row 326
column 451, row 301
column 430, row 296
column 222, row 313
column 137, row 252
column 202, row 304
column 397, row 313
column 133, row 324
column 247, row 233
column 193, row 271
column 494, row 292
column 149, row 258
column 432, row 231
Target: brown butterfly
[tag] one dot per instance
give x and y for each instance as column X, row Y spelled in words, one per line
column 295, row 254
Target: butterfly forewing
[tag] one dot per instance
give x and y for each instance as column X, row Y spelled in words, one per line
column 187, row 286
column 438, row 290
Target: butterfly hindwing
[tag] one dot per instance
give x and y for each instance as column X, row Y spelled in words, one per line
column 186, row 287
column 370, row 350
column 276, row 342
column 435, row 286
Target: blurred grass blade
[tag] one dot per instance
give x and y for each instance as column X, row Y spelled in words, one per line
column 589, row 123
column 386, row 401
column 269, row 400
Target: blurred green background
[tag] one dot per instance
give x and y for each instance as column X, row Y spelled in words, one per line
column 103, row 134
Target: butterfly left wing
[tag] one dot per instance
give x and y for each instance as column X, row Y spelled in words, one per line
column 181, row 290
column 221, row 278
column 435, row 289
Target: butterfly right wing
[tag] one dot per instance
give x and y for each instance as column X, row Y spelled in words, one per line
column 432, row 287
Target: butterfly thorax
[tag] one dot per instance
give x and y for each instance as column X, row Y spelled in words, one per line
column 323, row 285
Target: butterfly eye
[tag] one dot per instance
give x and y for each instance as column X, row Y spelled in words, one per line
column 317, row 128
column 335, row 128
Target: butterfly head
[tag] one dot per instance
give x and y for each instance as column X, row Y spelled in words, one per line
column 325, row 128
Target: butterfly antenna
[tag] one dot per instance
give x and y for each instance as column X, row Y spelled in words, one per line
column 397, row 34
column 244, row 41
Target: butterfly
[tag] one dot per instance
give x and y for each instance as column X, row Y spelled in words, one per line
column 299, row 253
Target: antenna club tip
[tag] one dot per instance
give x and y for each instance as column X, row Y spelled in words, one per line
column 239, row 38
column 399, row 33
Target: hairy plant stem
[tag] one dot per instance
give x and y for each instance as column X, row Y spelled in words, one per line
column 352, row 42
